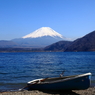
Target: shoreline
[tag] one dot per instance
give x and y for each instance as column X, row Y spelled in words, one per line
column 88, row 91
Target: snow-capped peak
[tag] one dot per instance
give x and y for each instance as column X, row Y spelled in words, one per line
column 44, row 31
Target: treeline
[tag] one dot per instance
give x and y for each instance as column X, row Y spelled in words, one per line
column 21, row 50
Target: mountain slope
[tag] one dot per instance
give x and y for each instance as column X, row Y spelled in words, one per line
column 58, row 46
column 44, row 31
column 86, row 43
column 8, row 44
column 40, row 38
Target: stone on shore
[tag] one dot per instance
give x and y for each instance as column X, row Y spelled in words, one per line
column 89, row 91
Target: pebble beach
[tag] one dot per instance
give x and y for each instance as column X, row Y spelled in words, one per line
column 89, row 91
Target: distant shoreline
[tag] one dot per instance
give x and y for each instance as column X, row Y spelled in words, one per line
column 5, row 50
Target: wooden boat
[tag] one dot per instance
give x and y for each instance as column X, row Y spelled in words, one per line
column 76, row 82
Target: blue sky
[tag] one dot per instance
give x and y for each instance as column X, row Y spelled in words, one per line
column 71, row 18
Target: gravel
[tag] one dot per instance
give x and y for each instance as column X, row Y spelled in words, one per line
column 89, row 91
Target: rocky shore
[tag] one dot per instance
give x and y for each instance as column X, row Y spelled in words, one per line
column 89, row 91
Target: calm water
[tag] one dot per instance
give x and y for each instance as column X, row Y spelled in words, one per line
column 16, row 69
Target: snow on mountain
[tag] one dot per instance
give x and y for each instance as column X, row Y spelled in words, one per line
column 44, row 31
column 40, row 38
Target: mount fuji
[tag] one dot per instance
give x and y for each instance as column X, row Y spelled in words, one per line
column 40, row 38
column 44, row 31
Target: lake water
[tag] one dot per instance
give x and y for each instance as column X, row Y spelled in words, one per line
column 16, row 69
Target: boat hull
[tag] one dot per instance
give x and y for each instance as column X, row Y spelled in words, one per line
column 78, row 83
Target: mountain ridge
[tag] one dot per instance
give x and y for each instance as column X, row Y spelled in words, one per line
column 58, row 46
column 8, row 44
column 86, row 43
column 48, row 43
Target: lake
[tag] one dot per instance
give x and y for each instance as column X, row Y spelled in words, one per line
column 16, row 69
